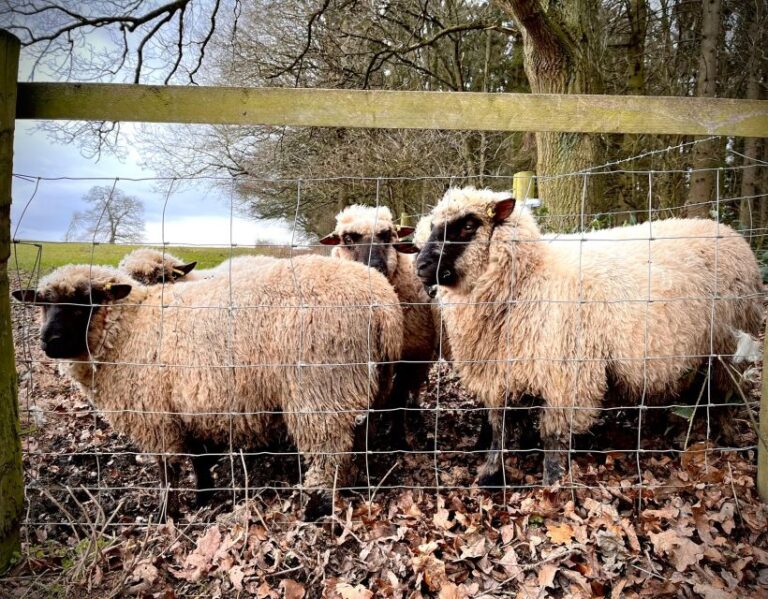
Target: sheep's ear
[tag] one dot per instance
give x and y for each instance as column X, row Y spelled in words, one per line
column 183, row 269
column 405, row 247
column 501, row 210
column 116, row 291
column 330, row 239
column 26, row 296
column 403, row 231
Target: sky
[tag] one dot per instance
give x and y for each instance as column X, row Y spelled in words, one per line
column 193, row 215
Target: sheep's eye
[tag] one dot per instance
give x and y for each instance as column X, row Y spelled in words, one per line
column 469, row 226
column 346, row 239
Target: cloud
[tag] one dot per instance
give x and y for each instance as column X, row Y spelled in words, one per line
column 215, row 230
column 193, row 214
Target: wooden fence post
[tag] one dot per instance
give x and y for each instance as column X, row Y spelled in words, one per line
column 762, row 450
column 11, row 475
column 523, row 186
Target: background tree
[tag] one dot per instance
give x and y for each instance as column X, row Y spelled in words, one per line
column 665, row 48
column 114, row 217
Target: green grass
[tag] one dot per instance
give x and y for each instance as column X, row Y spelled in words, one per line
column 24, row 256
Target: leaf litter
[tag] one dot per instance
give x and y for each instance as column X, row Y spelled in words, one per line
column 685, row 524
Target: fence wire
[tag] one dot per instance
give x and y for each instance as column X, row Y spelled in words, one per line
column 77, row 464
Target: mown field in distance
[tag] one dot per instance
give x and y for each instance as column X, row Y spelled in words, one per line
column 25, row 256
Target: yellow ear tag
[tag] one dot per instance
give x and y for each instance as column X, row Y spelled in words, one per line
column 177, row 271
column 108, row 287
column 491, row 211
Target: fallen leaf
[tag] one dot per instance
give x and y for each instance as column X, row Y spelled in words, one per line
column 561, row 534
column 547, row 575
column 292, row 589
column 200, row 560
column 441, row 519
column 682, row 552
column 474, row 548
column 452, row 591
column 236, row 576
column 347, row 591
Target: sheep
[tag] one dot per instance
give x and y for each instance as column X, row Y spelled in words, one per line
column 309, row 342
column 149, row 266
column 369, row 235
column 566, row 324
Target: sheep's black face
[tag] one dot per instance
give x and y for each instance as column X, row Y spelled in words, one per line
column 373, row 251
column 64, row 333
column 436, row 262
column 66, row 320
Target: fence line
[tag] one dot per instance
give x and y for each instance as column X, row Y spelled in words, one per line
column 302, row 107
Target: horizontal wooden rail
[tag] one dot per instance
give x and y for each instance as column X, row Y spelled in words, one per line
column 393, row 109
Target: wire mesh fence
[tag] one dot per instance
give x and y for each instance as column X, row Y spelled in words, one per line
column 272, row 381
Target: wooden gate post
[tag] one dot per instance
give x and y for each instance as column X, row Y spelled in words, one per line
column 11, row 476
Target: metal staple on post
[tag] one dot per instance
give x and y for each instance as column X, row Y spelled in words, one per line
column 11, row 477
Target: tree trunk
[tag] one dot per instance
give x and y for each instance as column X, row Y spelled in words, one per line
column 705, row 154
column 750, row 176
column 11, row 477
column 559, row 56
column 638, row 24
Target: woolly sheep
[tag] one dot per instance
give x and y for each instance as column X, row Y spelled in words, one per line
column 368, row 235
column 149, row 266
column 558, row 322
column 297, row 345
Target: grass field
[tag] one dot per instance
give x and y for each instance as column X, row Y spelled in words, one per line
column 25, row 256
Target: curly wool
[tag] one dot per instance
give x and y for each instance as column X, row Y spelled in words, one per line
column 149, row 266
column 366, row 220
column 306, row 340
column 559, row 320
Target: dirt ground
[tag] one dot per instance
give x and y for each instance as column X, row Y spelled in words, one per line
column 662, row 522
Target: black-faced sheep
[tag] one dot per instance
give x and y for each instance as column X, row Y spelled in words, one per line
column 368, row 235
column 309, row 341
column 565, row 321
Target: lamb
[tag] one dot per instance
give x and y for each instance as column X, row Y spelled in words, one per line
column 531, row 317
column 368, row 235
column 149, row 266
column 309, row 342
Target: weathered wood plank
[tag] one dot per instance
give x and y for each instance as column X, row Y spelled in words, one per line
column 11, row 478
column 393, row 109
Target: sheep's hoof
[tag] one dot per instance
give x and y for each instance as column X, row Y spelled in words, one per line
column 319, row 505
column 491, row 480
column 203, row 498
column 170, row 508
column 553, row 469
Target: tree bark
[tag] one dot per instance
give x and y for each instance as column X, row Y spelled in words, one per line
column 705, row 154
column 750, row 177
column 559, row 43
column 11, row 477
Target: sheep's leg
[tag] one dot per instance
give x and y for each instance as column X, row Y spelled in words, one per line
column 169, row 480
column 409, row 379
column 485, row 436
column 326, row 441
column 555, row 451
column 491, row 472
column 202, row 465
